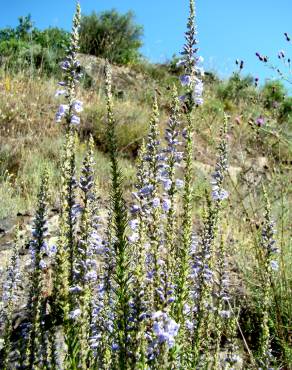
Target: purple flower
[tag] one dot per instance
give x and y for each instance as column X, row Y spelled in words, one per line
column 77, row 106
column 219, row 194
column 65, row 65
column 115, row 346
column 166, row 204
column 75, row 120
column 199, row 59
column 60, row 92
column 274, row 265
column 75, row 314
column 63, row 109
column 225, row 314
column 146, row 190
column 75, row 289
column 198, row 101
column 165, row 328
column 134, row 224
column 91, row 276
column 260, row 121
column 53, row 249
column 198, row 89
column 133, row 238
column 43, row 264
column 179, row 183
column 166, row 183
column 135, row 208
column 185, row 80
column 180, row 63
column 156, row 202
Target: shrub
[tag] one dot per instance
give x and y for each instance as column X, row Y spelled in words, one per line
column 236, row 88
column 285, row 110
column 52, row 38
column 273, row 93
column 27, row 47
column 111, row 35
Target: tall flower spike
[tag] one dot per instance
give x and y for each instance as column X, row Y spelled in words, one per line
column 71, row 68
column 36, row 352
column 192, row 77
column 150, row 192
column 85, row 264
column 203, row 263
column 224, row 316
column 218, row 192
column 64, row 262
column 9, row 299
column 268, row 252
column 173, row 158
column 186, row 239
column 120, row 246
column 140, row 298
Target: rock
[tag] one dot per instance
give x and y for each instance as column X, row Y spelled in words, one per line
column 123, row 77
column 262, row 163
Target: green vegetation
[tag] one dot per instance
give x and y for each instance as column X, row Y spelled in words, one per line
column 111, row 35
column 28, row 48
column 241, row 228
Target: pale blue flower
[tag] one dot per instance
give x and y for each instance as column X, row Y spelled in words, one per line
column 77, row 106
column 166, row 204
column 155, row 202
column 185, row 80
column 219, row 194
column 198, row 101
column 225, row 314
column 75, row 120
column 274, row 265
column 164, row 328
column 43, row 264
column 179, row 183
column 134, row 224
column 63, row 109
column 60, row 92
column 65, row 65
column 180, row 63
column 75, row 314
column 91, row 275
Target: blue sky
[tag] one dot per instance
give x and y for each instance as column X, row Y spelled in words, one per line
column 227, row 29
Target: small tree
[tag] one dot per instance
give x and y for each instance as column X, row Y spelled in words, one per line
column 111, row 35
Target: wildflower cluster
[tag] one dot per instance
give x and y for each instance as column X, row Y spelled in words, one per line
column 141, row 289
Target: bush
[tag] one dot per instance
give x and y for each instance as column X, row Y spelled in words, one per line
column 53, row 38
column 236, row 88
column 273, row 94
column 111, row 35
column 25, row 46
column 285, row 110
